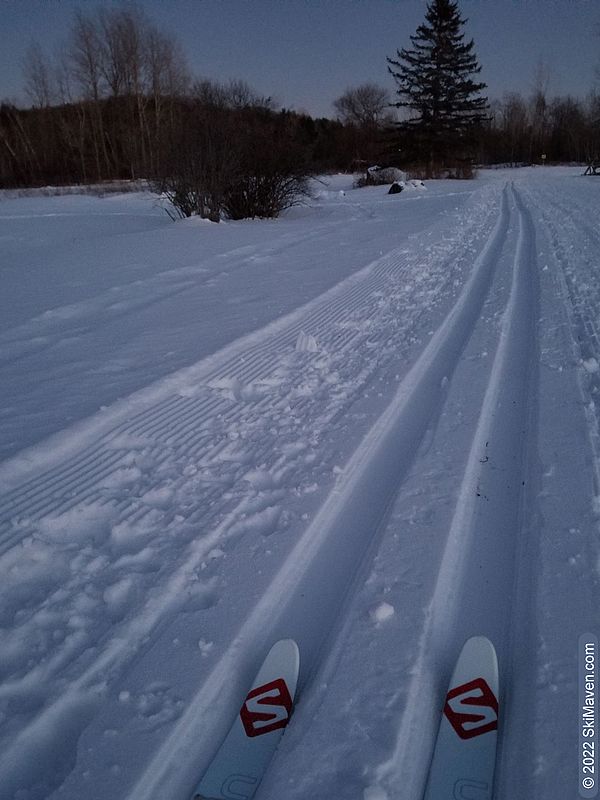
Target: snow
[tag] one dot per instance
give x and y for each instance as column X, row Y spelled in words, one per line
column 370, row 425
column 383, row 612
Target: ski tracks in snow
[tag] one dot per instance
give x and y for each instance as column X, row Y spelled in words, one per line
column 478, row 571
column 306, row 596
column 262, row 467
column 565, row 555
column 519, row 556
column 112, row 528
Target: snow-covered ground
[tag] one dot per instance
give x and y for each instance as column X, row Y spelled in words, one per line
column 370, row 425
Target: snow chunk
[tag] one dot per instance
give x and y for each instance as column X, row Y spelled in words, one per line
column 160, row 497
column 260, row 478
column 132, row 536
column 591, row 365
column 205, row 647
column 230, row 387
column 264, row 522
column 306, row 343
column 81, row 523
column 117, row 596
column 382, row 613
column 199, row 595
column 122, row 477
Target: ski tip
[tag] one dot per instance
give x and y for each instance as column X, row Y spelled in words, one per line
column 479, row 642
column 288, row 649
column 479, row 652
column 479, row 648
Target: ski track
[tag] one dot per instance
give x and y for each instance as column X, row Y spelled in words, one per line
column 175, row 474
column 577, row 257
column 482, row 543
column 335, row 541
column 520, row 561
column 567, row 553
column 512, row 552
column 195, row 454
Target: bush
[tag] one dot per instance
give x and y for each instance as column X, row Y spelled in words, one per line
column 264, row 196
column 243, row 163
column 196, row 167
column 271, row 174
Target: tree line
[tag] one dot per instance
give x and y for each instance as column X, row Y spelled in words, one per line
column 522, row 130
column 120, row 102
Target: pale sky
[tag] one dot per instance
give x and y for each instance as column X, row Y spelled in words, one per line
column 305, row 53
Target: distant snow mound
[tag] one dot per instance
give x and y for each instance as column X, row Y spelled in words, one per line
column 382, row 175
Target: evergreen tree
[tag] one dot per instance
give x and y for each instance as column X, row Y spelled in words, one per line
column 435, row 83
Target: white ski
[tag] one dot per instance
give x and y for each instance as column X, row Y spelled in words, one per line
column 241, row 761
column 465, row 751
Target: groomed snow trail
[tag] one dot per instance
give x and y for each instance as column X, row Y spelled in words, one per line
column 127, row 528
column 307, row 593
column 563, row 552
column 494, row 530
column 91, row 312
column 471, row 594
column 407, row 460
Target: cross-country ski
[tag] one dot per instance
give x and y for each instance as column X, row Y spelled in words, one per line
column 463, row 761
column 240, row 762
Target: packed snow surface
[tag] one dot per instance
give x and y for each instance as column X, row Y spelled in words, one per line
column 370, row 426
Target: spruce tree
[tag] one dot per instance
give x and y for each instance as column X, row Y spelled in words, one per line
column 435, row 83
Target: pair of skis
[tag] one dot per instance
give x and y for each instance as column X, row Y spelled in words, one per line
column 463, row 761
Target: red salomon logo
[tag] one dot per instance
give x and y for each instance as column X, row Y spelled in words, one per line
column 472, row 709
column 266, row 708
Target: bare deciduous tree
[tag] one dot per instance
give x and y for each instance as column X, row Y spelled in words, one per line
column 240, row 95
column 38, row 77
column 366, row 108
column 365, row 105
column 514, row 121
column 85, row 55
column 234, row 94
column 167, row 71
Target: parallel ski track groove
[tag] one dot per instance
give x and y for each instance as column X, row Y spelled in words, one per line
column 581, row 300
column 178, row 755
column 407, row 766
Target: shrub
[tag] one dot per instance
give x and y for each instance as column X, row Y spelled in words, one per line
column 271, row 170
column 243, row 163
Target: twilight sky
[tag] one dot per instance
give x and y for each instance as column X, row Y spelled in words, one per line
column 304, row 53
